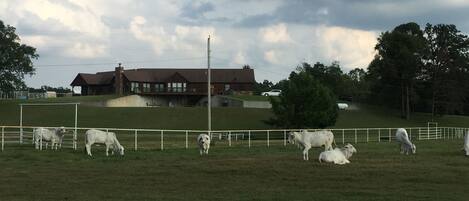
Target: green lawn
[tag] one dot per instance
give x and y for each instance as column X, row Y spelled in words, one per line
column 438, row 171
column 195, row 117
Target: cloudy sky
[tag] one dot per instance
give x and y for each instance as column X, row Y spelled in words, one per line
column 272, row 36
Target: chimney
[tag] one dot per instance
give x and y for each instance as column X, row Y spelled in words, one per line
column 118, row 81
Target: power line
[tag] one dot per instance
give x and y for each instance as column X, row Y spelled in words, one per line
column 126, row 62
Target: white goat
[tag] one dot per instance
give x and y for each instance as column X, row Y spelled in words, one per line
column 466, row 143
column 404, row 142
column 203, row 140
column 102, row 137
column 306, row 140
column 338, row 156
column 54, row 136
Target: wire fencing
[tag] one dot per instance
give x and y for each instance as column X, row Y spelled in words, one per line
column 158, row 139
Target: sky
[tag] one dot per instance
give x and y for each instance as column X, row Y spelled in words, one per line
column 272, row 36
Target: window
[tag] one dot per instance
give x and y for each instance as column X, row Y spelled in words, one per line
column 146, row 87
column 227, row 87
column 134, row 87
column 159, row 88
column 177, row 87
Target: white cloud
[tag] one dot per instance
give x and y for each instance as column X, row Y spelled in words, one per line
column 86, row 50
column 182, row 38
column 271, row 56
column 239, row 59
column 275, row 34
column 352, row 47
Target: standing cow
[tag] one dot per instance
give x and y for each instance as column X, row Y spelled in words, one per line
column 404, row 142
column 54, row 136
column 306, row 140
column 203, row 140
column 102, row 137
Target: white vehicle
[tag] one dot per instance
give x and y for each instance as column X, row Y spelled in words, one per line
column 273, row 92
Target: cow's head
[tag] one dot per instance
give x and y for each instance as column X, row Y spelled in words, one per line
column 291, row 137
column 61, row 130
column 414, row 149
column 350, row 148
column 204, row 139
column 121, row 150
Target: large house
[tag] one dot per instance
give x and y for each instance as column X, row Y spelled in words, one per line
column 185, row 86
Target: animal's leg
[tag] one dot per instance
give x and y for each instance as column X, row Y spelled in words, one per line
column 88, row 149
column 201, row 151
column 305, row 153
column 107, row 149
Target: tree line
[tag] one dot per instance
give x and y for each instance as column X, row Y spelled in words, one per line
column 414, row 70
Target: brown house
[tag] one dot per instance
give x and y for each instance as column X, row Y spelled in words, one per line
column 187, row 84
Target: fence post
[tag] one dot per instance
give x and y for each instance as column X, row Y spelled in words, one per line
column 135, row 140
column 389, row 134
column 229, row 138
column 367, row 134
column 249, row 138
column 343, row 136
column 21, row 124
column 410, row 133
column 268, row 136
column 355, row 136
column 3, row 137
column 161, row 141
column 40, row 140
column 379, row 134
column 284, row 138
column 187, row 139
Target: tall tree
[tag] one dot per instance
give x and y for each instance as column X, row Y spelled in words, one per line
column 447, row 68
column 15, row 59
column 304, row 103
column 400, row 53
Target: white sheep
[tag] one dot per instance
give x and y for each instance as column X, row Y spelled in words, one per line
column 404, row 142
column 338, row 156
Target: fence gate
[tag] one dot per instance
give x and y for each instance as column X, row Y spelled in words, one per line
column 431, row 132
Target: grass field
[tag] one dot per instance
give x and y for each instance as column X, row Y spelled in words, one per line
column 182, row 118
column 438, row 171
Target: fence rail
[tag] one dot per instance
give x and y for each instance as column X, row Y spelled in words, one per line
column 169, row 139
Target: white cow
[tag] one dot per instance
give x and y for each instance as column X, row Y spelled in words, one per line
column 306, row 140
column 203, row 140
column 338, row 156
column 466, row 143
column 404, row 142
column 102, row 137
column 54, row 136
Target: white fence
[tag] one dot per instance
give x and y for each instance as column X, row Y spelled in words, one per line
column 167, row 139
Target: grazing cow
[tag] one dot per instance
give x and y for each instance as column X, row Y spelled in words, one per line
column 338, row 156
column 306, row 140
column 203, row 140
column 54, row 136
column 404, row 142
column 466, row 143
column 102, row 137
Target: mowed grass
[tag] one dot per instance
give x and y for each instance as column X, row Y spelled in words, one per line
column 439, row 171
column 184, row 118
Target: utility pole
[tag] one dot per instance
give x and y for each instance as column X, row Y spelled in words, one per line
column 209, row 89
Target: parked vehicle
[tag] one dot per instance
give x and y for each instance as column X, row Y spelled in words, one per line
column 273, row 92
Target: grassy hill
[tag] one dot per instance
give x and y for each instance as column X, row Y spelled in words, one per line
column 193, row 117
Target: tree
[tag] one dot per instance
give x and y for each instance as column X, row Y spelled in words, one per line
column 264, row 86
column 15, row 59
column 400, row 59
column 304, row 103
column 446, row 68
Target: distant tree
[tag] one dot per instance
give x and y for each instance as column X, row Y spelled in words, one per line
column 15, row 59
column 304, row 103
column 398, row 62
column 447, row 68
column 264, row 86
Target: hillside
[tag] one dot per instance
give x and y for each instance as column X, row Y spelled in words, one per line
column 194, row 117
